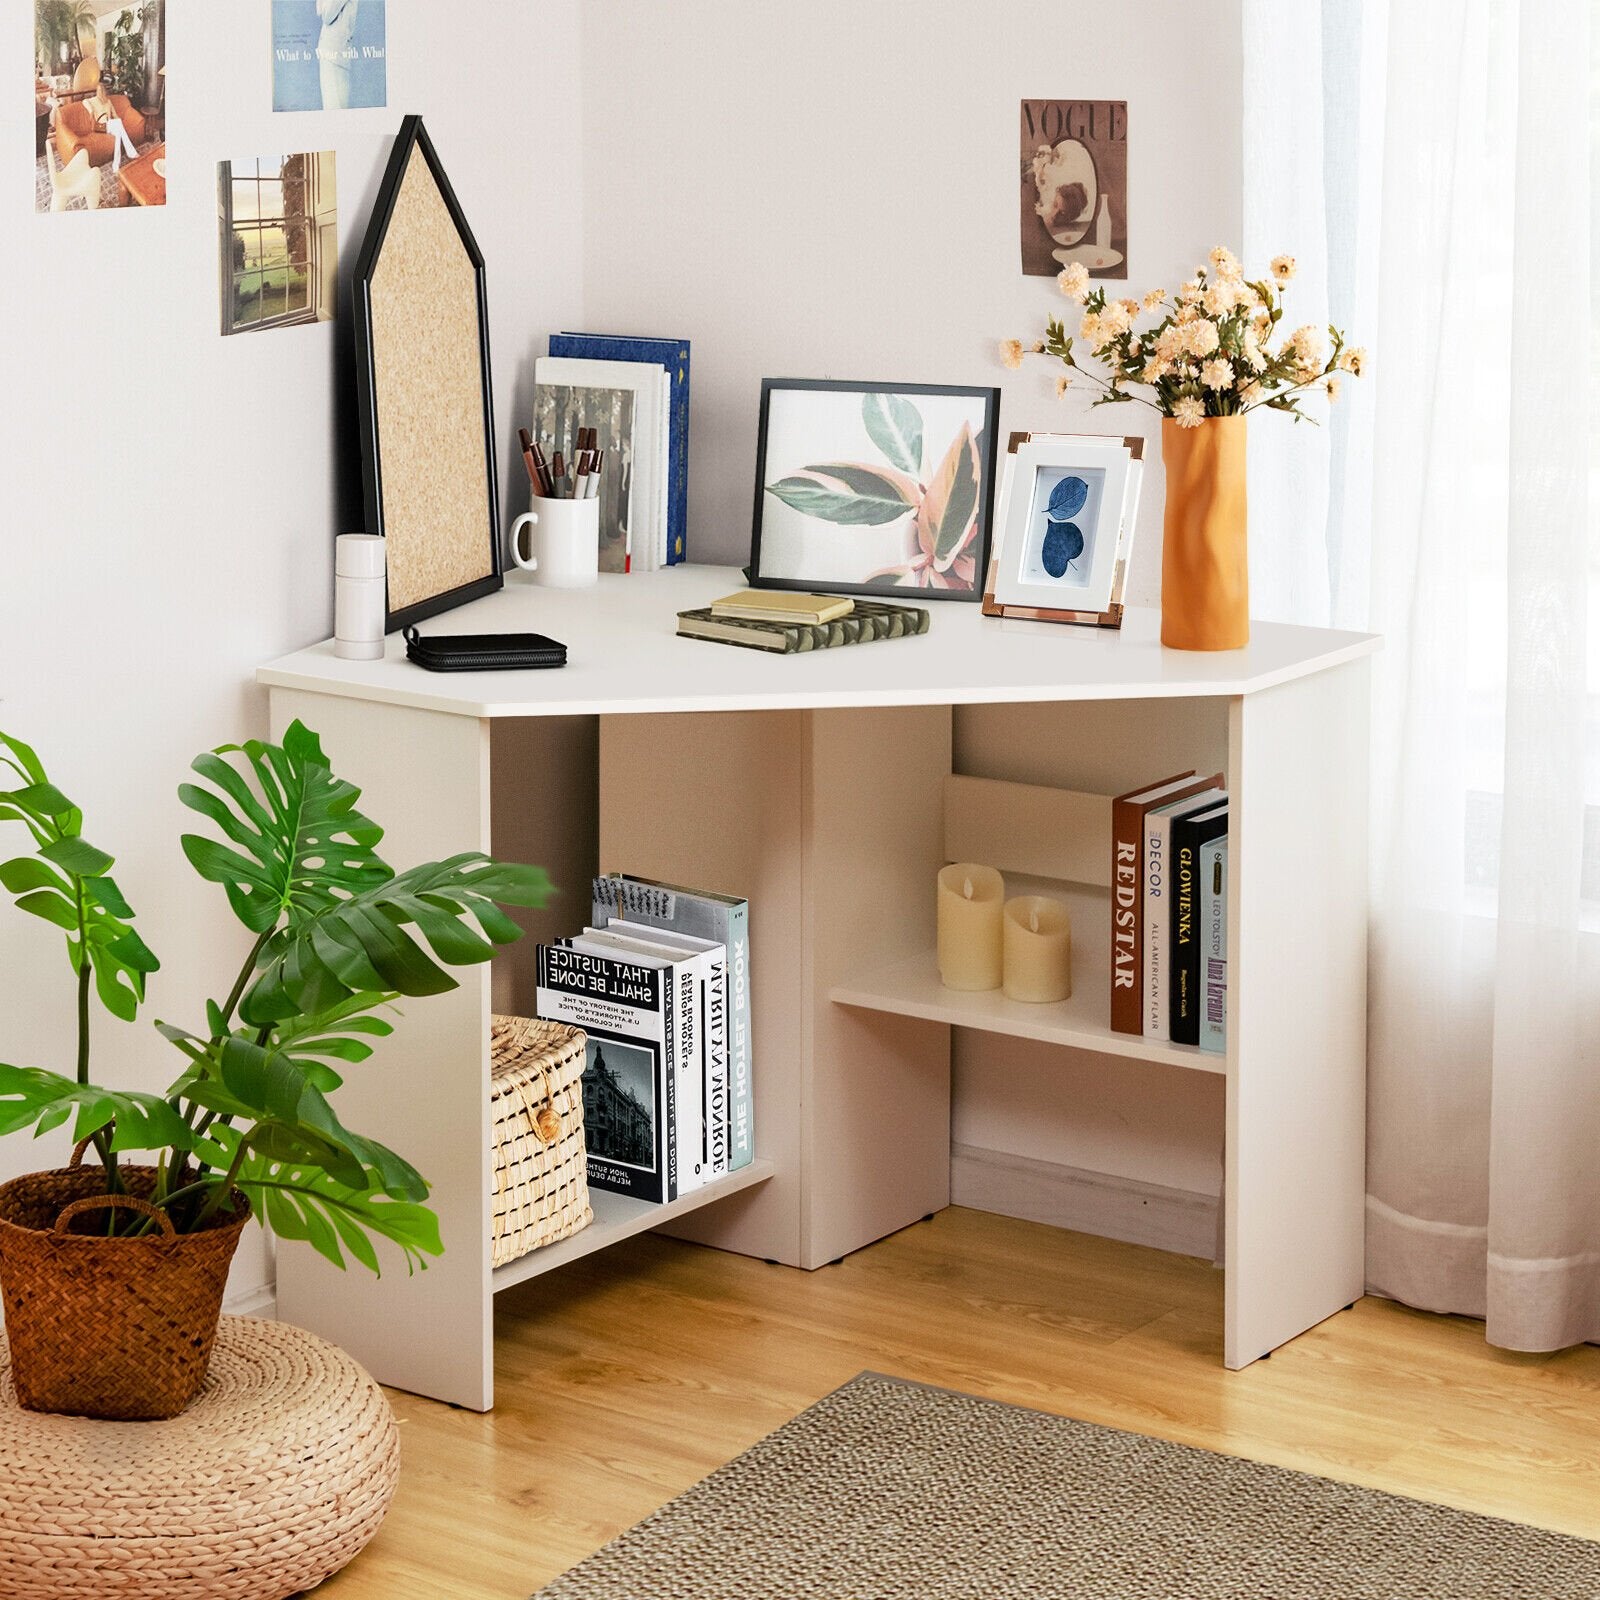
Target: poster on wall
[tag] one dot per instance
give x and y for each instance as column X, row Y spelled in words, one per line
column 1075, row 187
column 329, row 55
column 279, row 262
column 99, row 104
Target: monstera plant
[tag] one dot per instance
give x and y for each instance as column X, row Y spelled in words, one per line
column 113, row 1273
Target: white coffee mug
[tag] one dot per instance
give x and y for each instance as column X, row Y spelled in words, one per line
column 564, row 546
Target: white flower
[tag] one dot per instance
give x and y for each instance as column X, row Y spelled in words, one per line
column 1074, row 282
column 1333, row 387
column 1036, row 348
column 1306, row 343
column 1115, row 320
column 1171, row 342
column 1154, row 298
column 1220, row 298
column 1155, row 370
column 1063, row 383
column 1201, row 338
column 1353, row 361
column 1250, row 346
column 1192, row 290
column 1226, row 262
column 1189, row 412
column 1283, row 268
column 1089, row 330
column 1011, row 353
column 1250, row 392
column 1217, row 374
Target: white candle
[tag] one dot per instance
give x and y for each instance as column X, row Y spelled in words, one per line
column 971, row 899
column 1038, row 949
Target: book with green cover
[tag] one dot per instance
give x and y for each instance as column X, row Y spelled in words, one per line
column 869, row 621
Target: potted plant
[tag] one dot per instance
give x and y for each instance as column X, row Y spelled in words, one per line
column 1210, row 356
column 112, row 1273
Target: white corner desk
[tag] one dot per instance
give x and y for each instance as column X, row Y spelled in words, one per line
column 826, row 788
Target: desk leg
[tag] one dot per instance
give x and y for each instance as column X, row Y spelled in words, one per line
column 1297, row 1013
column 830, row 824
column 425, row 1092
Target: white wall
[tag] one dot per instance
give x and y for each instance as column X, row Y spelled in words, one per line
column 829, row 189
column 171, row 497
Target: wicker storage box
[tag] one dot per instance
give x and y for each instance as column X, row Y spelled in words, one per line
column 541, row 1182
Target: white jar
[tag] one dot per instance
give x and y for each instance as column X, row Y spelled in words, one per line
column 360, row 596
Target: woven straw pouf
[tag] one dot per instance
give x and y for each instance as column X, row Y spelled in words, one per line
column 275, row 1477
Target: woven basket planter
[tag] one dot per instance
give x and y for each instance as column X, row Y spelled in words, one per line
column 113, row 1328
column 541, row 1169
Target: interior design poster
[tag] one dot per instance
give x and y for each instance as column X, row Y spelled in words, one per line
column 99, row 105
column 1075, row 186
column 329, row 55
column 279, row 263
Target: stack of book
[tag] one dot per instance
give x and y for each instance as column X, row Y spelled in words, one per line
column 633, row 394
column 660, row 983
column 1169, row 911
column 787, row 623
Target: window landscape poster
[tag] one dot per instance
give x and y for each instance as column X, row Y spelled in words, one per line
column 99, row 105
column 1075, row 187
column 279, row 264
column 329, row 55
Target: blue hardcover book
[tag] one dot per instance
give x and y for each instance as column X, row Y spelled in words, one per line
column 1214, row 945
column 673, row 355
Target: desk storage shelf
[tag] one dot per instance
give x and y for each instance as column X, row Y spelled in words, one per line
column 825, row 788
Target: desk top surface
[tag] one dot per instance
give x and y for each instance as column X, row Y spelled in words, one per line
column 624, row 656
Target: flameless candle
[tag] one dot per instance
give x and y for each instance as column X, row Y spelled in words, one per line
column 1038, row 949
column 971, row 899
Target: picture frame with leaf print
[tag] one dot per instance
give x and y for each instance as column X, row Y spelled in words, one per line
column 874, row 488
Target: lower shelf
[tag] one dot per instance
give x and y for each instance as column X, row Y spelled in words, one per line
column 616, row 1217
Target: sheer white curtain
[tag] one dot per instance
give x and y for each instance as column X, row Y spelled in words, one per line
column 1436, row 158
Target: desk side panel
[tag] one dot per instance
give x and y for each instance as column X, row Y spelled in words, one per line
column 714, row 801
column 1297, row 1008
column 877, row 1126
column 425, row 1091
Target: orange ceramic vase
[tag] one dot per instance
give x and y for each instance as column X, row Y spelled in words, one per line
column 1205, row 573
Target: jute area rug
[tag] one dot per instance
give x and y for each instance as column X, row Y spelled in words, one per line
column 887, row 1490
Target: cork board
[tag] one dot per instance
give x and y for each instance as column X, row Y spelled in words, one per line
column 429, row 453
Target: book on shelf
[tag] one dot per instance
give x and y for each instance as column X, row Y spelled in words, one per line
column 626, row 1006
column 782, row 605
column 1159, row 886
column 626, row 402
column 1214, row 945
column 710, row 999
column 720, row 920
column 1128, row 812
column 868, row 621
column 685, row 1016
column 673, row 357
column 1190, row 833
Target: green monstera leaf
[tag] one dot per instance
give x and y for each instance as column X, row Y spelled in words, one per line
column 67, row 883
column 301, row 844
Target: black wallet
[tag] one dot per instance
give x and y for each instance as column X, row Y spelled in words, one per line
column 484, row 652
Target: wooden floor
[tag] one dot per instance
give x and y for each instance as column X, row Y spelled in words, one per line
column 625, row 1377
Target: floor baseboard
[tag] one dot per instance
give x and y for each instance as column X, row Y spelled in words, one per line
column 1087, row 1202
column 262, row 1302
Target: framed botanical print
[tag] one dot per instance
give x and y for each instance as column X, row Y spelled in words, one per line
column 874, row 488
column 1066, row 523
